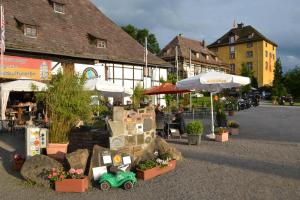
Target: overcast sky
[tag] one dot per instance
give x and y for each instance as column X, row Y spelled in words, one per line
column 278, row 20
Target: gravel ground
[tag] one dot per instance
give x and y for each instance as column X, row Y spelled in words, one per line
column 261, row 163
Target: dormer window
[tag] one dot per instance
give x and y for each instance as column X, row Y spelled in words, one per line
column 231, row 39
column 30, row 31
column 101, row 43
column 59, row 8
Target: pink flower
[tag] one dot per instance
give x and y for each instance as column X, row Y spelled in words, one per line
column 79, row 171
column 49, row 176
column 72, row 171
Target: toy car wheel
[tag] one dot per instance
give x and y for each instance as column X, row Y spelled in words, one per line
column 128, row 185
column 104, row 186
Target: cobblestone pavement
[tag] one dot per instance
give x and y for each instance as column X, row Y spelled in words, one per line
column 263, row 162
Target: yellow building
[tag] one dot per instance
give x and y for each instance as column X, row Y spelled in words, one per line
column 245, row 45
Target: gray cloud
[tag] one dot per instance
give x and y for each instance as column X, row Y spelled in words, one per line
column 210, row 19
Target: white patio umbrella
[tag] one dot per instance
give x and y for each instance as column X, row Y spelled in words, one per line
column 212, row 82
column 107, row 89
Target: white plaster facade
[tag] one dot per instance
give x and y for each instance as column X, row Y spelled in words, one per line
column 124, row 75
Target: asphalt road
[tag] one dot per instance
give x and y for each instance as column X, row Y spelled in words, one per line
column 263, row 162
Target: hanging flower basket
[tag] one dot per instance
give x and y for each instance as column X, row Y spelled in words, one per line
column 156, row 171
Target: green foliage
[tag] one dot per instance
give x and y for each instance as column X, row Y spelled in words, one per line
column 148, row 164
column 231, row 103
column 292, row 82
column 169, row 98
column 140, row 35
column 195, row 128
column 67, row 103
column 138, row 95
column 278, row 82
column 245, row 71
column 233, row 124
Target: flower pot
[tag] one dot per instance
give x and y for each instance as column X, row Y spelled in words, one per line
column 230, row 112
column 72, row 185
column 234, row 131
column 156, row 171
column 194, row 139
column 222, row 137
column 57, row 151
column 17, row 164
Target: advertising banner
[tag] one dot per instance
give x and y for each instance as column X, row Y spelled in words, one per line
column 15, row 67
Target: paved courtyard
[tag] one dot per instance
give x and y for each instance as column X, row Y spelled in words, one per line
column 261, row 163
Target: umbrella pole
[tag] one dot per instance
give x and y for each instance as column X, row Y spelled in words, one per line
column 212, row 114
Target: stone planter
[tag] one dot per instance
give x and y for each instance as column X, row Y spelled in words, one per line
column 156, row 171
column 222, row 137
column 194, row 139
column 57, row 151
column 234, row 131
column 72, row 185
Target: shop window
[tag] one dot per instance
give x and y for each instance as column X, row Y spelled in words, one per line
column 30, row 31
column 59, row 8
column 249, row 54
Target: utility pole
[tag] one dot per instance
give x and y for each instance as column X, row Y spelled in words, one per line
column 176, row 62
column 188, row 77
column 146, row 61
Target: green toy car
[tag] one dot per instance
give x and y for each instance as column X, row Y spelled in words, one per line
column 125, row 179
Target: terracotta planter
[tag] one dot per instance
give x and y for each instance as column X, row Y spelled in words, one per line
column 57, row 151
column 17, row 164
column 223, row 137
column 72, row 185
column 156, row 171
column 234, row 131
column 231, row 113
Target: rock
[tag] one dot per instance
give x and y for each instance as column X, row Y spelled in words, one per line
column 36, row 169
column 95, row 159
column 78, row 159
column 160, row 145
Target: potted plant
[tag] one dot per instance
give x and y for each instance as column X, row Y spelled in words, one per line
column 221, row 117
column 231, row 105
column 71, row 181
column 221, row 135
column 234, row 127
column 67, row 103
column 194, row 132
column 161, row 164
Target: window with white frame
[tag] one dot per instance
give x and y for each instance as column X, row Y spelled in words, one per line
column 231, row 39
column 30, row 31
column 232, row 49
column 59, row 8
column 101, row 43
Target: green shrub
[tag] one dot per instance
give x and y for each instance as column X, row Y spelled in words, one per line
column 233, row 124
column 195, row 128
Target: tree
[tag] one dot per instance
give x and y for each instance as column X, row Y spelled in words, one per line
column 171, row 78
column 140, row 35
column 278, row 82
column 292, row 81
column 247, row 72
